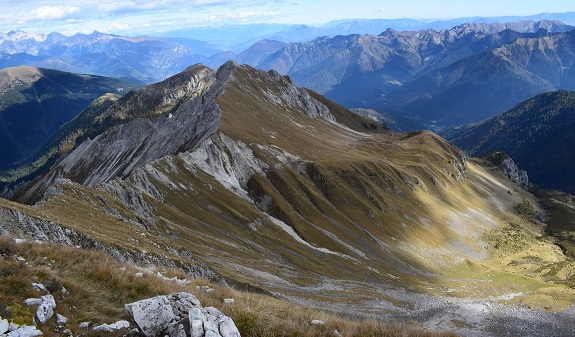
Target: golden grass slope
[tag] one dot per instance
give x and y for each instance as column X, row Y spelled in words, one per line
column 97, row 287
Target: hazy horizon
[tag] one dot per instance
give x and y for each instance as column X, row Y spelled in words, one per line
column 131, row 17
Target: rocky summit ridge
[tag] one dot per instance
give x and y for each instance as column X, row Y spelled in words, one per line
column 189, row 122
column 240, row 176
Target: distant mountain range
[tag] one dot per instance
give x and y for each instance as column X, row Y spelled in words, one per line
column 435, row 78
column 481, row 85
column 492, row 28
column 175, row 50
column 420, row 79
column 539, row 134
column 238, row 37
column 35, row 102
column 144, row 59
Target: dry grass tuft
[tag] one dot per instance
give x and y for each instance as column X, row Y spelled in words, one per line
column 97, row 286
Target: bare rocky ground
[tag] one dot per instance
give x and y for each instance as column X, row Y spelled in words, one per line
column 472, row 317
column 477, row 317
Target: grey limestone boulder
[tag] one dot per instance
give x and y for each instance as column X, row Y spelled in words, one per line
column 210, row 322
column 152, row 316
column 61, row 320
column 40, row 287
column 32, row 301
column 4, row 325
column 180, row 315
column 46, row 309
column 25, row 331
column 112, row 327
column 84, row 325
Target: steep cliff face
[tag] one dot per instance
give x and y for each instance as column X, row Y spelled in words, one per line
column 186, row 114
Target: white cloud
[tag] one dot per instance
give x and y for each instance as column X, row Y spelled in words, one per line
column 145, row 5
column 58, row 15
column 253, row 15
column 119, row 26
column 133, row 6
column 117, row 6
column 51, row 13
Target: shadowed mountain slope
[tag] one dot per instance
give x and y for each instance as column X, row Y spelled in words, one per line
column 276, row 187
column 35, row 102
column 537, row 133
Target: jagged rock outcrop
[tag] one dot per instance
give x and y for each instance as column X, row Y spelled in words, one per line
column 17, row 224
column 509, row 168
column 515, row 174
column 299, row 97
column 115, row 154
column 180, row 315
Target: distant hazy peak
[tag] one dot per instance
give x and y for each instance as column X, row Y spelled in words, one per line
column 18, row 35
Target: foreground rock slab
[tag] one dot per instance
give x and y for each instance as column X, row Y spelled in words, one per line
column 180, row 315
column 15, row 330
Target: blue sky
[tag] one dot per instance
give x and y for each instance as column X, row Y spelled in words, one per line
column 133, row 17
